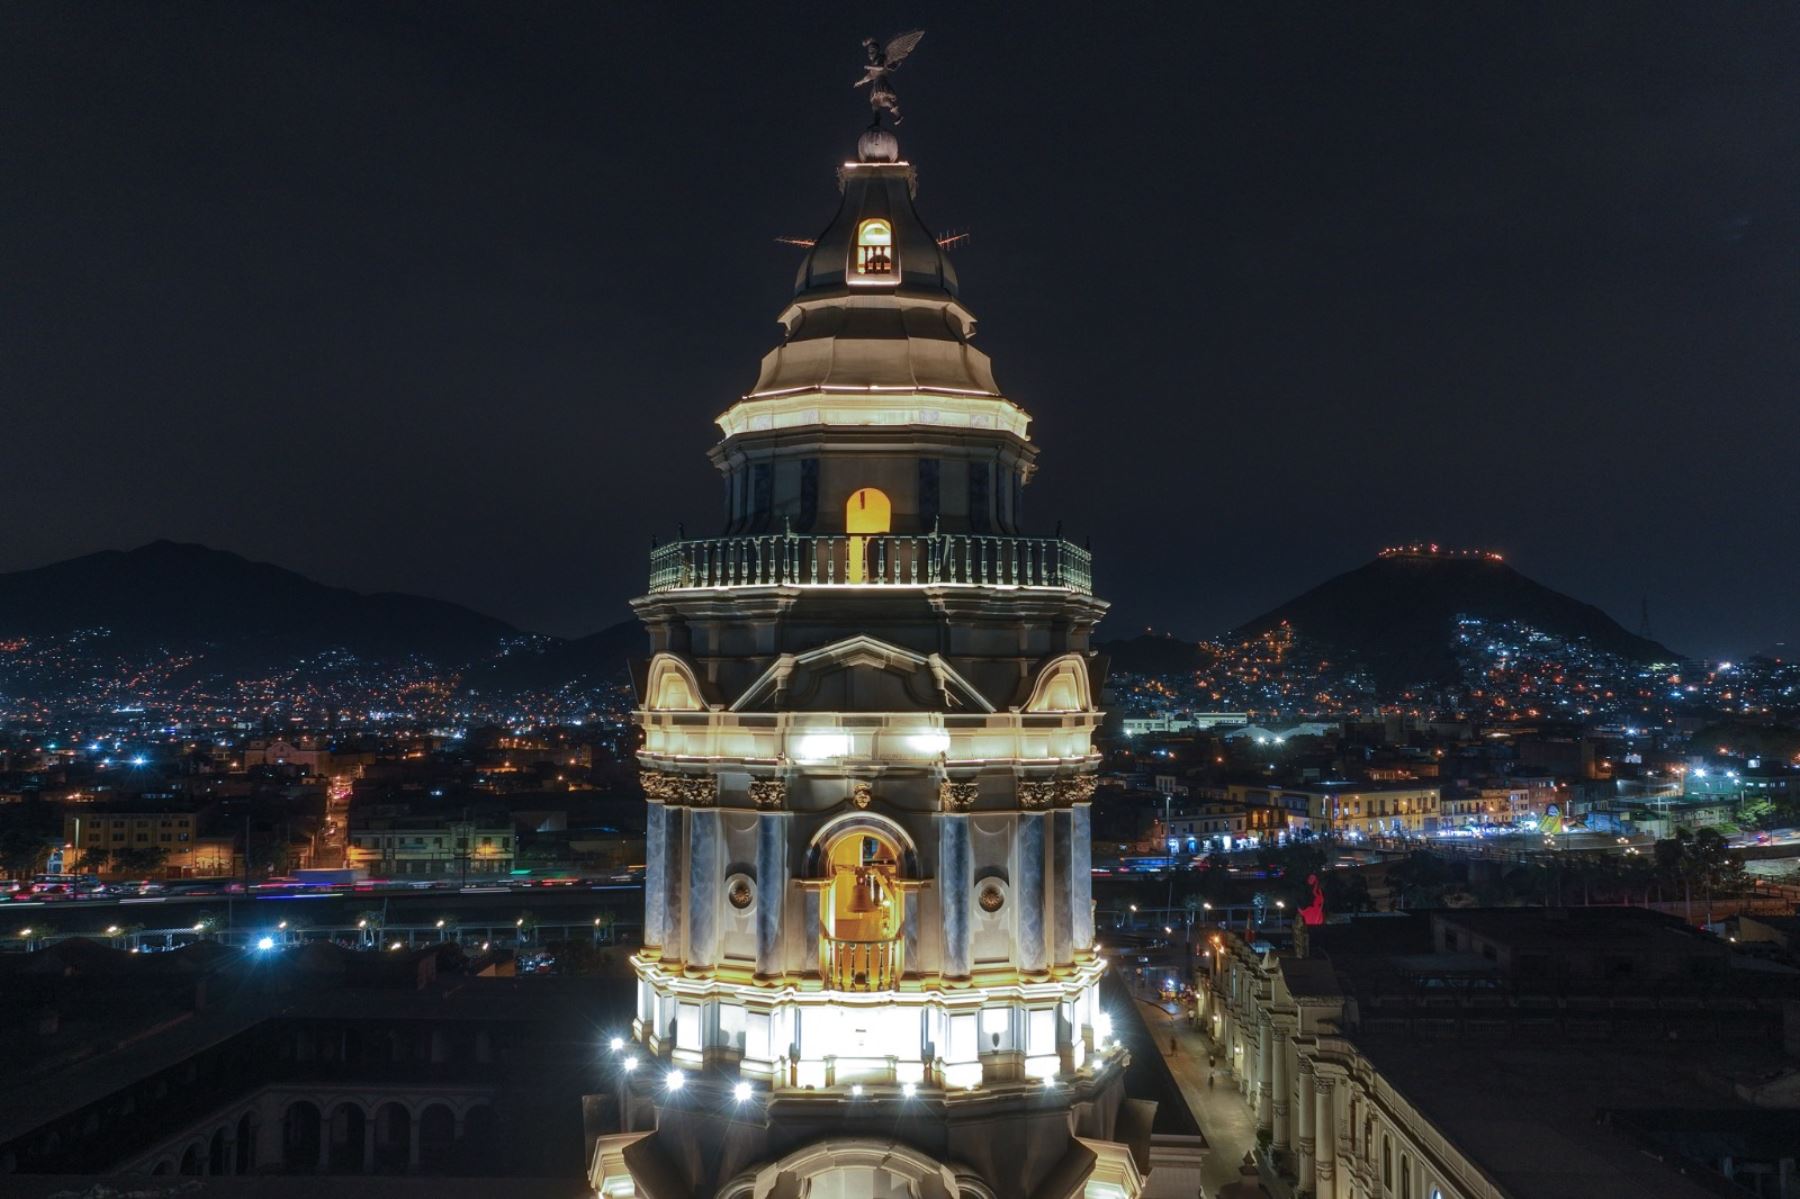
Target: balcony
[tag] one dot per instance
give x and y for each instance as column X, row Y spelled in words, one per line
column 881, row 560
column 860, row 965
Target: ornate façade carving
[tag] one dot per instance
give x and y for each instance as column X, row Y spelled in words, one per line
column 681, row 790
column 956, row 797
column 862, row 793
column 769, row 794
column 1061, row 792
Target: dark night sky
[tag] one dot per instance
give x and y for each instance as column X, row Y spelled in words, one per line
column 443, row 297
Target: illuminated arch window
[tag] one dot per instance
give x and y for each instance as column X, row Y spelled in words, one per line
column 874, row 248
column 861, row 912
column 868, row 510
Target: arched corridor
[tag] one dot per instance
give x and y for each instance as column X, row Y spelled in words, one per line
column 348, row 1146
column 393, row 1139
column 300, row 1137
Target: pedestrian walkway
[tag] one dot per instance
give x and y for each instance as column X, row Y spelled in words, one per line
column 1222, row 1114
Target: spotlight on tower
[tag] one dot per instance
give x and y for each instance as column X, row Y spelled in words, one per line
column 616, row 1044
column 908, row 1090
column 674, row 1079
column 741, row 1092
column 629, row 1064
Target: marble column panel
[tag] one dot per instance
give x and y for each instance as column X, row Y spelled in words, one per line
column 656, row 823
column 955, row 880
column 1081, row 876
column 1062, row 916
column 1029, row 890
column 771, row 890
column 705, row 847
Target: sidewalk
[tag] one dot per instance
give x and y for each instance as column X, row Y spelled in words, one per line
column 1223, row 1116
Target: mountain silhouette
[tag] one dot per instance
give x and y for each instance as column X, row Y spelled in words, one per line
column 1397, row 615
column 170, row 594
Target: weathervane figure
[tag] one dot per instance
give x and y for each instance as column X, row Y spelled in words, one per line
column 883, row 61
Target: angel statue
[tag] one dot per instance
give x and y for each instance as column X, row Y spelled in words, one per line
column 883, row 61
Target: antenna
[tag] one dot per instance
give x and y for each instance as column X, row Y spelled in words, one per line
column 954, row 237
column 803, row 242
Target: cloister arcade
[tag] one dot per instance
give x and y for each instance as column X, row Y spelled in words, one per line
column 287, row 1130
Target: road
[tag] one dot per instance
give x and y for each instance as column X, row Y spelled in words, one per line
column 1223, row 1117
column 622, row 903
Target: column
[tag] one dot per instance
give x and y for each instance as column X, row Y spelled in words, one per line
column 954, row 880
column 369, row 1143
column 1265, row 1070
column 1081, row 875
column 1062, row 914
column 771, row 891
column 412, row 1145
column 1030, row 890
column 1280, row 1128
column 1325, row 1121
column 704, row 877
column 656, row 848
column 1307, row 1180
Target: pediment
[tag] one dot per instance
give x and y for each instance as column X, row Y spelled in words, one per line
column 861, row 674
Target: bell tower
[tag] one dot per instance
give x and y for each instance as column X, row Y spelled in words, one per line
column 869, row 964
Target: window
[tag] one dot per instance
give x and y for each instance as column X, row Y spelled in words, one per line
column 1387, row 1162
column 1405, row 1177
column 874, row 248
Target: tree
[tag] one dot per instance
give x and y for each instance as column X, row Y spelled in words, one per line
column 147, row 860
column 23, row 852
column 1702, row 861
column 1419, row 879
column 96, row 858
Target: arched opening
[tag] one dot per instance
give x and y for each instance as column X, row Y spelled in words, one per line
column 348, row 1130
column 190, row 1160
column 437, row 1138
column 246, row 1143
column 393, row 1138
column 300, row 1133
column 482, row 1151
column 216, row 1160
column 875, row 247
column 165, row 1166
column 867, row 511
column 862, row 911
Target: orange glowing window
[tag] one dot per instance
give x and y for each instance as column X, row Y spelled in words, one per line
column 874, row 248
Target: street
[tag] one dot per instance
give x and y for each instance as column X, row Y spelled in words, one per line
column 1223, row 1116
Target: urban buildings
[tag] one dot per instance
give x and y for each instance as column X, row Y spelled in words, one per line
column 1511, row 1052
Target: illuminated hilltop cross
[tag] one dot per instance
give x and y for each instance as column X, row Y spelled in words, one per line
column 869, row 965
